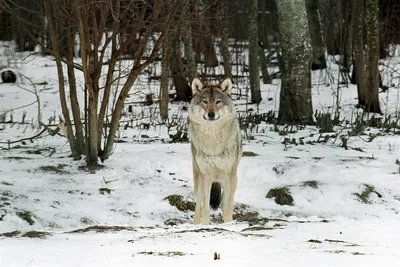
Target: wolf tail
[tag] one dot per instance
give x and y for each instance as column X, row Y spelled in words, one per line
column 215, row 195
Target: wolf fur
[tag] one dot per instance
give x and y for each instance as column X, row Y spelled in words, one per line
column 216, row 148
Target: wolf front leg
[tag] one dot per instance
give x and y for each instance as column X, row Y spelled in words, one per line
column 197, row 194
column 229, row 189
column 206, row 190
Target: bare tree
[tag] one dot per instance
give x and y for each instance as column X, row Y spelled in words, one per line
column 295, row 97
column 253, row 52
column 105, row 30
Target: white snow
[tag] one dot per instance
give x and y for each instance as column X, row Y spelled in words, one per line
column 141, row 173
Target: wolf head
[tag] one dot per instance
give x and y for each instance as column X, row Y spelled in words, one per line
column 211, row 102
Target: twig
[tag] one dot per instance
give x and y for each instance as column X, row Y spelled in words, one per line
column 24, row 139
column 46, row 128
column 107, row 182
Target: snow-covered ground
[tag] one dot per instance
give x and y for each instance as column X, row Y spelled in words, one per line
column 342, row 242
column 346, row 202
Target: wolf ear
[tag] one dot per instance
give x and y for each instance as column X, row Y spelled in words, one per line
column 226, row 86
column 197, row 86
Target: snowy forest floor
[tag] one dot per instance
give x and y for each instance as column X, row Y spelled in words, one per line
column 56, row 212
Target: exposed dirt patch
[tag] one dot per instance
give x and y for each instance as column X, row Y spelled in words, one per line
column 10, row 234
column 257, row 228
column 282, row 196
column 26, row 216
column 181, row 204
column 36, row 234
column 164, row 254
column 243, row 213
column 102, row 229
column 312, row 184
column 17, row 158
column 363, row 197
column 249, row 154
column 56, row 169
column 105, row 191
column 203, row 230
column 173, row 222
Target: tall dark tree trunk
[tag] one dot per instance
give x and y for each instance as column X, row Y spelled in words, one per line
column 318, row 61
column 224, row 38
column 164, row 81
column 263, row 41
column 295, row 105
column 358, row 48
column 253, row 52
column 182, row 87
column 346, row 34
column 366, row 53
column 187, row 37
column 189, row 52
column 226, row 57
column 372, row 27
column 263, row 65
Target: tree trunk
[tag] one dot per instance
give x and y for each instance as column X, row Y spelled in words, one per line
column 223, row 15
column 189, row 53
column 226, row 57
column 318, row 61
column 63, row 100
column 164, row 81
column 366, row 53
column 94, row 138
column 253, row 52
column 358, row 48
column 176, row 69
column 210, row 55
column 264, row 65
column 188, row 45
column 346, row 37
column 75, row 108
column 295, row 105
column 372, row 28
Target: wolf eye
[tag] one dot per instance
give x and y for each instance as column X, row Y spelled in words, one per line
column 218, row 101
column 204, row 101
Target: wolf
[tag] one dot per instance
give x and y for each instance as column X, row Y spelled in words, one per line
column 216, row 148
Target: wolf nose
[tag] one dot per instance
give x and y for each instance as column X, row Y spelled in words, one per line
column 211, row 115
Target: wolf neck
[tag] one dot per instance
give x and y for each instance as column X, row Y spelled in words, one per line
column 213, row 138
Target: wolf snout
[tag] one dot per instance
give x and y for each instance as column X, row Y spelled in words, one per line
column 210, row 116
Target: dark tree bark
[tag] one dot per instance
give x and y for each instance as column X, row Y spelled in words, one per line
column 295, row 105
column 372, row 26
column 264, row 65
column 164, row 81
column 366, row 53
column 358, row 49
column 253, row 52
column 224, row 42
column 318, row 61
column 181, row 84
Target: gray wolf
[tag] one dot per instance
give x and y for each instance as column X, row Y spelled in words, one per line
column 216, row 148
